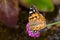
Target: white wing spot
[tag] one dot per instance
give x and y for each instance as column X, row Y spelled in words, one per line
column 34, row 10
column 30, row 12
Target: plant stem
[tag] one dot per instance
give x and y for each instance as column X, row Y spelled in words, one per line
column 53, row 23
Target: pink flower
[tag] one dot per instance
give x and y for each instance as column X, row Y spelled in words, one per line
column 31, row 33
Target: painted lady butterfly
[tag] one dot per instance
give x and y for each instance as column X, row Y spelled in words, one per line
column 36, row 20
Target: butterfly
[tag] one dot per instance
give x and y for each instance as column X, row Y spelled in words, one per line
column 36, row 20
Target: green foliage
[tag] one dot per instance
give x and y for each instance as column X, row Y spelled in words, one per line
column 42, row 5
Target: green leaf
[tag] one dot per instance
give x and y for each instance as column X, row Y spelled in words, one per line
column 42, row 5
